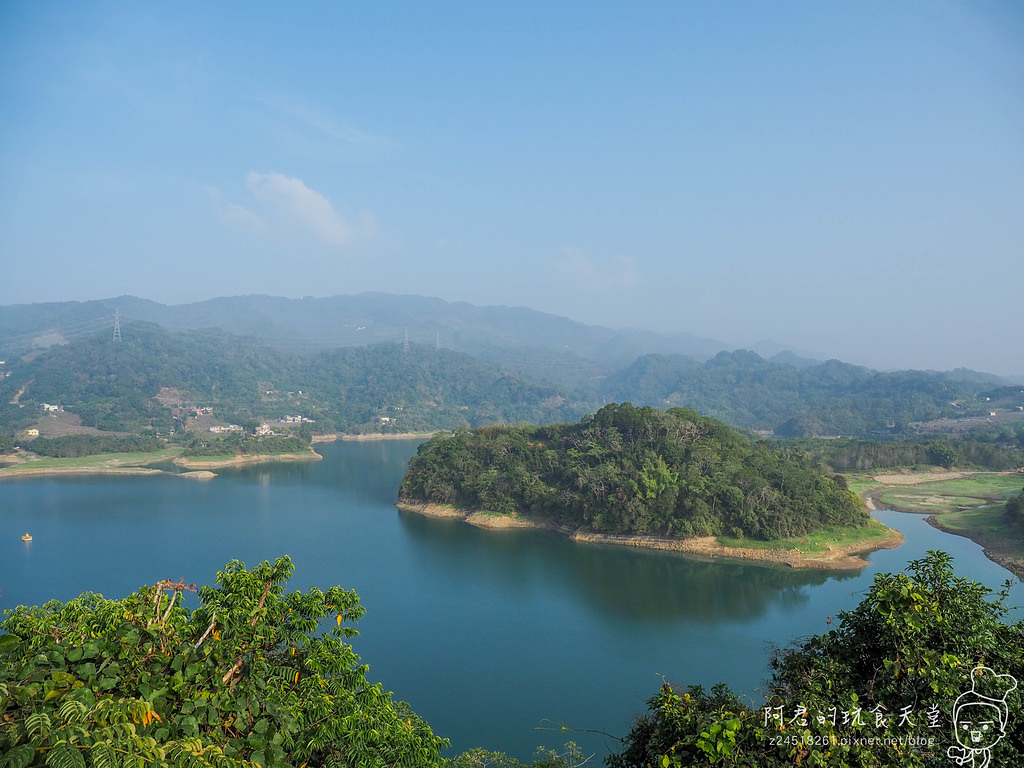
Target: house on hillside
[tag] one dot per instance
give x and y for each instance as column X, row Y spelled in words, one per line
column 217, row 429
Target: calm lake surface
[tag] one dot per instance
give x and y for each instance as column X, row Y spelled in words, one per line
column 495, row 637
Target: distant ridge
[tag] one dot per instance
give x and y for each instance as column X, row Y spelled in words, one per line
column 786, row 396
column 543, row 342
column 570, row 354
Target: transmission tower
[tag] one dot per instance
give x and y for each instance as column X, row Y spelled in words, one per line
column 117, row 325
column 405, row 345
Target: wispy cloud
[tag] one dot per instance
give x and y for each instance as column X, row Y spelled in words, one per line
column 236, row 216
column 595, row 276
column 292, row 200
column 243, row 217
column 311, row 118
column 285, row 208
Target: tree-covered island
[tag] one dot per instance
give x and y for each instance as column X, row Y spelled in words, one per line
column 648, row 477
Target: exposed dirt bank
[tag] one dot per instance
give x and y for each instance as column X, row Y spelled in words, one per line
column 83, row 471
column 113, row 467
column 489, row 520
column 838, row 558
column 332, row 436
column 237, row 461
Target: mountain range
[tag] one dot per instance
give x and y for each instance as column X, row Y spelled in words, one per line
column 58, row 350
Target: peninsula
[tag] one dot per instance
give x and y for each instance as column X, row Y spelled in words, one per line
column 643, row 477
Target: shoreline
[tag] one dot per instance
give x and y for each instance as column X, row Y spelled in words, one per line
column 838, row 559
column 989, row 547
column 237, row 461
column 993, row 548
column 56, row 471
column 331, row 437
column 198, row 470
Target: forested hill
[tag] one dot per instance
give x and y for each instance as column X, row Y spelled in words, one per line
column 831, row 398
column 310, row 324
column 382, row 388
column 129, row 384
column 786, row 395
column 634, row 471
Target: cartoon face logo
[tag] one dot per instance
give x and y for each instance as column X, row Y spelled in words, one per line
column 980, row 716
column 978, row 725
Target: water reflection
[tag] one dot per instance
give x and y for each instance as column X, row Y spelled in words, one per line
column 617, row 583
column 371, row 469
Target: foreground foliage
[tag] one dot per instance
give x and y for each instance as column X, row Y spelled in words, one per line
column 903, row 664
column 250, row 677
column 635, row 471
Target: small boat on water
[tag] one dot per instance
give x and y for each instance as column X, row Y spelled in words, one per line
column 26, row 537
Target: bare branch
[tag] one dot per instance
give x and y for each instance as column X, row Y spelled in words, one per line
column 230, row 674
column 206, row 634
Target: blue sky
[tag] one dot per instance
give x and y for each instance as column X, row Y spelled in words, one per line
column 846, row 178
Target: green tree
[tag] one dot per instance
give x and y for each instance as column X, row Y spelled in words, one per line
column 629, row 470
column 943, row 454
column 899, row 661
column 1015, row 508
column 254, row 675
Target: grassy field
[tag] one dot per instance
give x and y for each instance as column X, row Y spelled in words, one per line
column 861, row 483
column 971, row 506
column 817, row 543
column 1003, row 541
column 99, row 461
column 990, row 521
column 982, row 485
column 968, row 492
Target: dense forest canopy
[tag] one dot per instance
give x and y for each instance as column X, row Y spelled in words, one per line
column 127, row 386
column 846, row 455
column 636, row 471
column 830, row 398
column 115, row 385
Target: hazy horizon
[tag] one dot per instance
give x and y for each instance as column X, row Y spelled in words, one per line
column 766, row 348
column 844, row 180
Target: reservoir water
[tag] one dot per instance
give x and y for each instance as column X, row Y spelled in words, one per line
column 497, row 638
